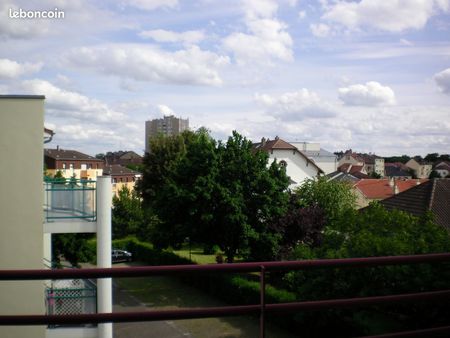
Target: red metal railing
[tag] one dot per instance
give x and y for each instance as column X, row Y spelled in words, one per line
column 262, row 308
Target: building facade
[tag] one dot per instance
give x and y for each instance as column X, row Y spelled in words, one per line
column 122, row 177
column 168, row 125
column 33, row 210
column 326, row 160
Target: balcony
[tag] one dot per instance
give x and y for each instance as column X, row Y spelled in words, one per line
column 69, row 205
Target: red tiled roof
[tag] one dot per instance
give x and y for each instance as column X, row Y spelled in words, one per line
column 63, row 154
column 380, row 189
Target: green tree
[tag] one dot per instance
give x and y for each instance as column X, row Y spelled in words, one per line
column 375, row 232
column 73, row 247
column 336, row 199
column 127, row 214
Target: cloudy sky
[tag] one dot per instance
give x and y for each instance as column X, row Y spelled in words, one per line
column 371, row 75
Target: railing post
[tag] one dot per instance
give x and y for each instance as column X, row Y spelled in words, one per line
column 262, row 290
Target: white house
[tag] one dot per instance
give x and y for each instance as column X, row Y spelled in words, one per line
column 326, row 160
column 299, row 166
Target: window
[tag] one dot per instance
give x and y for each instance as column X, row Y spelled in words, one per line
column 71, row 166
column 83, row 166
column 64, row 166
column 283, row 164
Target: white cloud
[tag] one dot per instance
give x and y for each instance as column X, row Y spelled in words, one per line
column 165, row 110
column 442, row 80
column 161, row 35
column 147, row 63
column 391, row 16
column 370, row 94
column 11, row 69
column 301, row 14
column 320, row 30
column 70, row 104
column 150, row 5
column 295, row 106
column 267, row 38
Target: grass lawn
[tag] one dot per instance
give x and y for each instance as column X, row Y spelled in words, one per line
column 169, row 293
column 195, row 254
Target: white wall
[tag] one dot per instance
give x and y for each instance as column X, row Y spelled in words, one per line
column 298, row 168
column 21, row 200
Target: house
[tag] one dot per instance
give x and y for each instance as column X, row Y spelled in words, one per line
column 72, row 162
column 368, row 190
column 371, row 163
column 433, row 195
column 122, row 177
column 358, row 171
column 340, row 176
column 421, row 169
column 326, row 160
column 123, row 158
column 32, row 212
column 442, row 168
column 397, row 170
column 299, row 167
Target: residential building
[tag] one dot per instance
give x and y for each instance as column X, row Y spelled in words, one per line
column 72, row 162
column 122, row 177
column 123, row 158
column 396, row 170
column 359, row 171
column 371, row 163
column 442, row 168
column 421, row 169
column 326, row 160
column 168, row 125
column 340, row 176
column 368, row 190
column 433, row 196
column 32, row 211
column 299, row 166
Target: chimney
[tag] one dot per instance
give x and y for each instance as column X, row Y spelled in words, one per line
column 396, row 191
column 263, row 141
column 391, row 182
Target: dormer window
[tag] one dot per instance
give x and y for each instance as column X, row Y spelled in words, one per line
column 283, row 164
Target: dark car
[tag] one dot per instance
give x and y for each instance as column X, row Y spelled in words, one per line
column 121, row 256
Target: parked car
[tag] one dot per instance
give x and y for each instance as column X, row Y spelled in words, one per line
column 121, row 256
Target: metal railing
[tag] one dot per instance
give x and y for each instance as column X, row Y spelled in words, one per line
column 262, row 308
column 69, row 199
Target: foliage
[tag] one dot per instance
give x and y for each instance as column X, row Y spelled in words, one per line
column 403, row 159
column 127, row 214
column 434, row 174
column 74, row 247
column 334, row 198
column 216, row 194
column 375, row 232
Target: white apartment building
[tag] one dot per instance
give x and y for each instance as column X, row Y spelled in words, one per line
column 32, row 210
column 326, row 160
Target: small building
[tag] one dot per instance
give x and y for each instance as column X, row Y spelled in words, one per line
column 368, row 190
column 299, row 167
column 72, row 162
column 442, row 168
column 421, row 169
column 396, row 170
column 123, row 158
column 371, row 163
column 122, row 177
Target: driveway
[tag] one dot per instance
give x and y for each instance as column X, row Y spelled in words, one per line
column 124, row 302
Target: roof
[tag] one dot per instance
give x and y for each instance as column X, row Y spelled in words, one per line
column 63, row 154
column 354, row 170
column 393, row 171
column 118, row 170
column 279, row 144
column 342, row 177
column 433, row 195
column 442, row 165
column 19, row 96
column 379, row 189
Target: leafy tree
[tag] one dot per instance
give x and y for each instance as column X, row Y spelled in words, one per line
column 73, row 247
column 375, row 232
column 334, row 198
column 127, row 214
column 433, row 157
column 100, row 156
column 434, row 174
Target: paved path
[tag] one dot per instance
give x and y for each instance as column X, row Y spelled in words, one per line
column 124, row 302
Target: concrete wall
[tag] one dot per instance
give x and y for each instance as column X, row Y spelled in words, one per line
column 21, row 199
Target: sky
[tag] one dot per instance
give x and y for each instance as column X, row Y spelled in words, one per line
column 370, row 75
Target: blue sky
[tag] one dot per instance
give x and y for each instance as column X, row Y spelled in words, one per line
column 371, row 75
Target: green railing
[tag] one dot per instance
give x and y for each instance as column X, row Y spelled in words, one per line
column 69, row 199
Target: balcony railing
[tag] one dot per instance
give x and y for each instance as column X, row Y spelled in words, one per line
column 66, row 199
column 262, row 308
